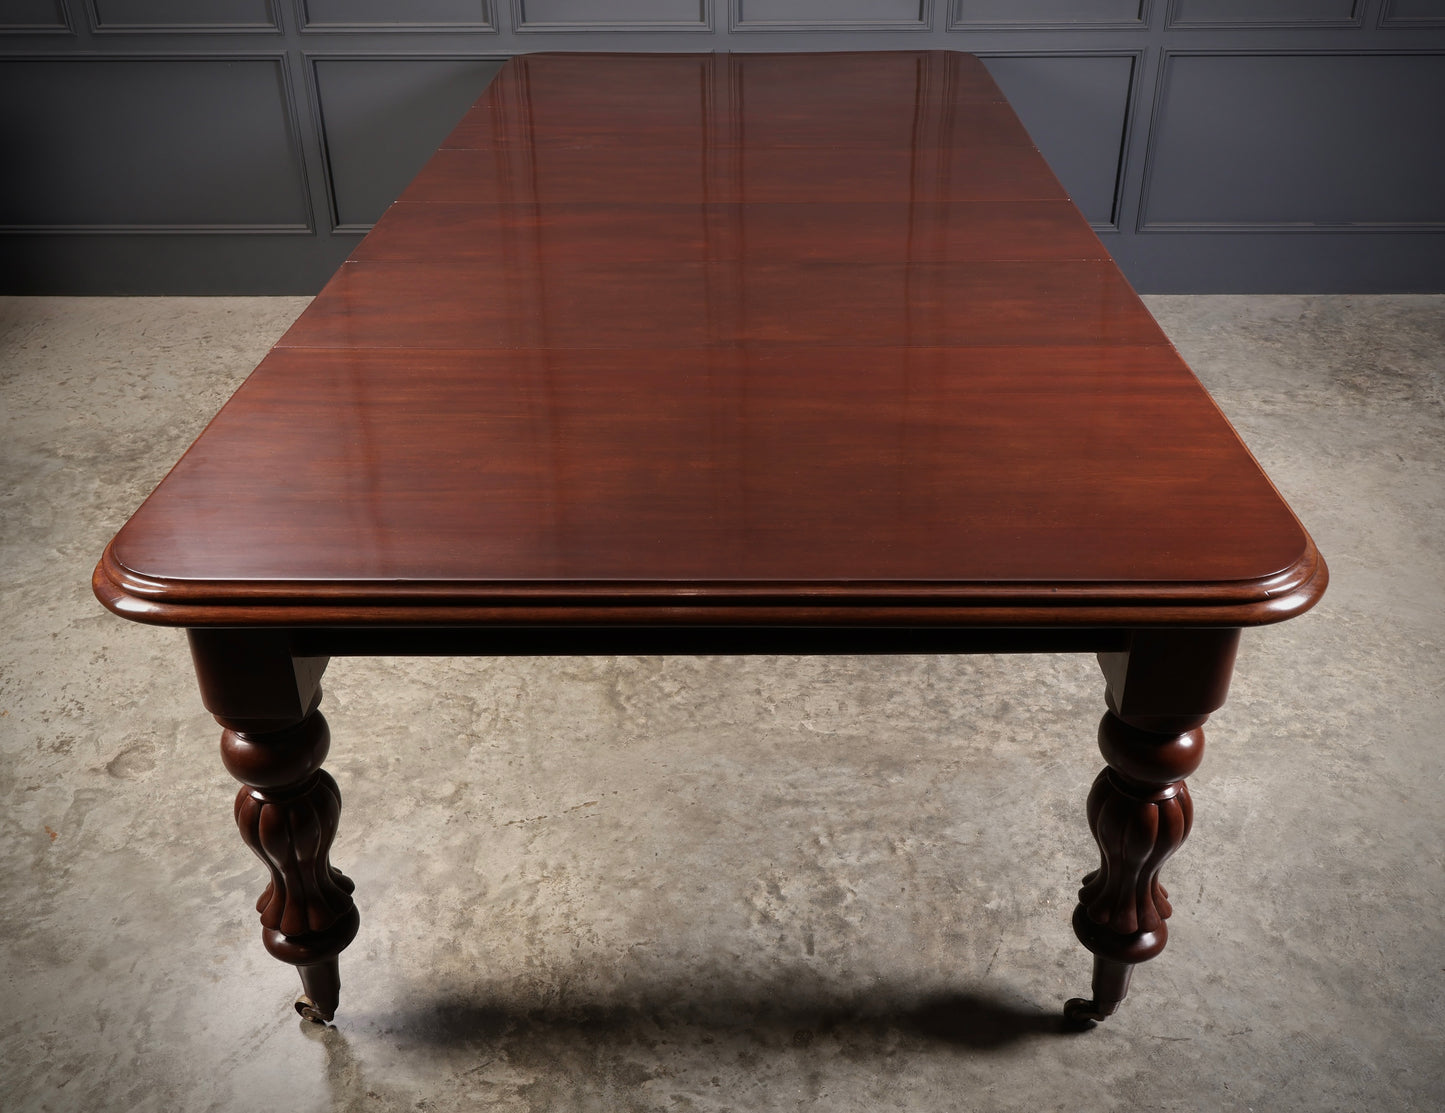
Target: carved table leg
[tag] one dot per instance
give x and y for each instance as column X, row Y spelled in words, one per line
column 1140, row 814
column 288, row 807
column 1160, row 693
column 287, row 810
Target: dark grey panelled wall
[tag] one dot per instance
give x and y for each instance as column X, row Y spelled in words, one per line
column 243, row 146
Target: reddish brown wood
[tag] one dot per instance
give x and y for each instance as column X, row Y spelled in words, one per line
column 1160, row 691
column 1138, row 825
column 573, row 235
column 687, row 374
column 287, row 810
column 478, row 305
column 251, row 681
column 701, row 175
column 751, row 100
column 708, row 350
column 504, row 478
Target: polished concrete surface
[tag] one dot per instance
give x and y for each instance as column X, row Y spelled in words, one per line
column 727, row 884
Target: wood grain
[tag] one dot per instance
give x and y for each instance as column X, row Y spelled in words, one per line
column 760, row 339
column 570, row 234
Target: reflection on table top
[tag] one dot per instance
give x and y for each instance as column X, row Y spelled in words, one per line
column 693, row 321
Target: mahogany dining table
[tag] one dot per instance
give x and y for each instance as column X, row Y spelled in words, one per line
column 720, row 353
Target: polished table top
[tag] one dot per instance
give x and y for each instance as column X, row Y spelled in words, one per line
column 724, row 338
column 757, row 353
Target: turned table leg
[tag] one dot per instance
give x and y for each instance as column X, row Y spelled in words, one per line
column 1159, row 692
column 288, row 807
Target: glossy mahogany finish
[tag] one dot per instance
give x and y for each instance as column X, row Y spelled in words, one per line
column 759, row 353
column 739, row 339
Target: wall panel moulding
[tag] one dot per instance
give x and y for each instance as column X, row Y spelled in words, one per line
column 1413, row 13
column 612, row 15
column 832, row 15
column 218, row 152
column 153, row 17
column 396, row 15
column 1224, row 14
column 1321, row 142
column 35, row 17
column 1048, row 15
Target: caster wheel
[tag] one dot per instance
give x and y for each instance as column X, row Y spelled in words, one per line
column 1082, row 1014
column 309, row 1010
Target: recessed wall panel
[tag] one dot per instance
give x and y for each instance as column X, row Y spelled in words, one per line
column 1413, row 12
column 149, row 143
column 179, row 15
column 1245, row 13
column 397, row 14
column 383, row 118
column 1051, row 13
column 611, row 15
column 1280, row 141
column 831, row 14
column 32, row 15
column 1075, row 109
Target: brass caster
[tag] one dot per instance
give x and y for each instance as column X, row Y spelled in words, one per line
column 1083, row 1015
column 311, row 1011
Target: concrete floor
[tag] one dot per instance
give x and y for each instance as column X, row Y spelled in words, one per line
column 711, row 884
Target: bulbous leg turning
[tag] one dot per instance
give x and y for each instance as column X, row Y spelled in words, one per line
column 287, row 810
column 1140, row 814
